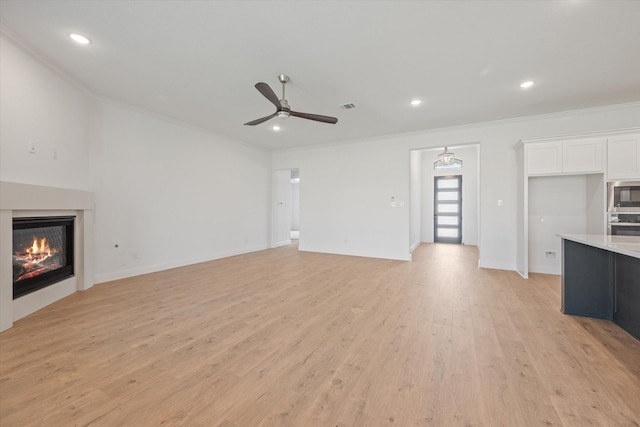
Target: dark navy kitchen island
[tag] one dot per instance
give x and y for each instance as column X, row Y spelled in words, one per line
column 601, row 278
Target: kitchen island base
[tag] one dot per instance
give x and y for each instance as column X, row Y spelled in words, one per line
column 601, row 279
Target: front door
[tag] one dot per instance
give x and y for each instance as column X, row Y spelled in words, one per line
column 447, row 207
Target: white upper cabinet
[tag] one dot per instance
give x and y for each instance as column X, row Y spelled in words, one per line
column 623, row 157
column 565, row 157
column 544, row 158
column 583, row 156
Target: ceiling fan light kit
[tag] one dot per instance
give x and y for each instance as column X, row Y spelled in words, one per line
column 283, row 110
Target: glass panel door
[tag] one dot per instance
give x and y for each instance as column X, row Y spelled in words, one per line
column 447, row 215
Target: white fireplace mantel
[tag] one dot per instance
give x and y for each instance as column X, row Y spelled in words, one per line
column 18, row 200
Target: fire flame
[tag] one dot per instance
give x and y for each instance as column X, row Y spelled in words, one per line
column 39, row 252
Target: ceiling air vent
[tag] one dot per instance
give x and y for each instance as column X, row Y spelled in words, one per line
column 348, row 106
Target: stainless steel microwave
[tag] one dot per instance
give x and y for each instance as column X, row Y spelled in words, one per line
column 623, row 196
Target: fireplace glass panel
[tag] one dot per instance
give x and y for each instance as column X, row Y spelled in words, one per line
column 38, row 250
column 42, row 252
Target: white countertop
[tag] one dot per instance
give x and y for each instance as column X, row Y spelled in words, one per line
column 626, row 245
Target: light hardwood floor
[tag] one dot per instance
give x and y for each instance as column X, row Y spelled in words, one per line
column 288, row 338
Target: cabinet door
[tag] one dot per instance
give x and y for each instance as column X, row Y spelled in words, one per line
column 544, row 158
column 583, row 156
column 627, row 294
column 623, row 157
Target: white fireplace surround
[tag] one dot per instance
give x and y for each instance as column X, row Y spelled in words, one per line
column 22, row 200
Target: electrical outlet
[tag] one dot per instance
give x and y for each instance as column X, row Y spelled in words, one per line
column 550, row 254
column 32, row 147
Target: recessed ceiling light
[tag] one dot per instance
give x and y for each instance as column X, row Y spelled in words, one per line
column 527, row 84
column 80, row 39
column 276, row 128
column 416, row 102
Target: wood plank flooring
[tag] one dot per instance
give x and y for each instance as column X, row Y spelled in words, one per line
column 287, row 338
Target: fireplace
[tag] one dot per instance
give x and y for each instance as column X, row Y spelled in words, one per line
column 42, row 252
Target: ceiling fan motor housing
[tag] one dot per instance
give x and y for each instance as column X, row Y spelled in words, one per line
column 284, row 104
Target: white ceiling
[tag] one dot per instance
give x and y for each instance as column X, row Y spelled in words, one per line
column 198, row 61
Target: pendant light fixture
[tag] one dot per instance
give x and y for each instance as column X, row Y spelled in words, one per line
column 447, row 160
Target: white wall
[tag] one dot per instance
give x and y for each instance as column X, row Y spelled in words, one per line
column 557, row 204
column 295, row 206
column 346, row 196
column 416, row 194
column 40, row 107
column 596, row 204
column 347, row 186
column 166, row 194
column 469, row 172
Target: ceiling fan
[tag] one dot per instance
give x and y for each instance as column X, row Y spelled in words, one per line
column 282, row 106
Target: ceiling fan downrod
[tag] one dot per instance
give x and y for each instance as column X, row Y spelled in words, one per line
column 284, row 113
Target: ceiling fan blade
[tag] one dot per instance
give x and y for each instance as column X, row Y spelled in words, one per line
column 261, row 120
column 268, row 93
column 316, row 117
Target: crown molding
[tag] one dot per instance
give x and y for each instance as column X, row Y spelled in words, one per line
column 465, row 126
column 563, row 137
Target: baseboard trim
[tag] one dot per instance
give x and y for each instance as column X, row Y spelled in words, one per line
column 138, row 271
column 281, row 243
column 543, row 269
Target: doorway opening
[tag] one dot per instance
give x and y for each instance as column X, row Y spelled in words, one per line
column 295, row 204
column 422, row 187
column 285, row 224
column 447, row 209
